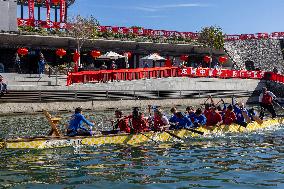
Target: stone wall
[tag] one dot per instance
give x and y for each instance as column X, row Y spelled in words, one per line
column 266, row 53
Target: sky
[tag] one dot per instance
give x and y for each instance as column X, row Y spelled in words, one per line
column 233, row 16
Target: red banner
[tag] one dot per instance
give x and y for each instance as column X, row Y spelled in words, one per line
column 62, row 10
column 47, row 4
column 31, row 6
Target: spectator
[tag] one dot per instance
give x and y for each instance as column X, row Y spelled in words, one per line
column 18, row 63
column 41, row 64
column 3, row 86
column 275, row 70
column 113, row 65
column 103, row 66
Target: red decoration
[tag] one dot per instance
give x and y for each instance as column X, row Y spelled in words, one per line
column 128, row 54
column 168, row 62
column 207, row 59
column 184, row 58
column 55, row 2
column 223, row 59
column 60, row 52
column 95, row 54
column 22, row 51
column 76, row 56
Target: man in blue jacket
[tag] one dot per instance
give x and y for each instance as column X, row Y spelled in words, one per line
column 75, row 126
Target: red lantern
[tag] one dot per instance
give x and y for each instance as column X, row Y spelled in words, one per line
column 55, row 2
column 60, row 52
column 207, row 59
column 76, row 56
column 22, row 51
column 223, row 59
column 128, row 54
column 95, row 54
column 184, row 58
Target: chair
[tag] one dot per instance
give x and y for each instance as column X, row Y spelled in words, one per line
column 53, row 122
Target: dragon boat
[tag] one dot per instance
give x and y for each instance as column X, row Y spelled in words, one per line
column 133, row 139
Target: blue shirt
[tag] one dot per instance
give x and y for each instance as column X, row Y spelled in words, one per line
column 201, row 119
column 183, row 123
column 77, row 121
column 238, row 111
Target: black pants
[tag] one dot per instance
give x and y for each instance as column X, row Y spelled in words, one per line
column 268, row 107
column 79, row 132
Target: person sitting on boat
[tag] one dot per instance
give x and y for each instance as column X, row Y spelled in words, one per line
column 122, row 122
column 138, row 121
column 181, row 122
column 207, row 110
column 266, row 102
column 173, row 119
column 214, row 118
column 190, row 112
column 160, row 120
column 241, row 114
column 230, row 116
column 199, row 118
column 76, row 128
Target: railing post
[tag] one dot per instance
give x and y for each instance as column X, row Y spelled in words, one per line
column 158, row 93
column 179, row 93
column 39, row 95
column 134, row 94
column 76, row 95
column 107, row 94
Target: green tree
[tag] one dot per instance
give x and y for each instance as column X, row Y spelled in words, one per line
column 212, row 37
column 81, row 29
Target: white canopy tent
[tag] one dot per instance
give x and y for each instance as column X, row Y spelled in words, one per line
column 154, row 56
column 111, row 55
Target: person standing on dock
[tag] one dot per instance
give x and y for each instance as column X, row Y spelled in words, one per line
column 266, row 102
column 75, row 126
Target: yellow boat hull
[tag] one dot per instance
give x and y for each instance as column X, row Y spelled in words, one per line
column 132, row 139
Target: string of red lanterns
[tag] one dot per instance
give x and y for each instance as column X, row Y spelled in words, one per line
column 22, row 51
column 95, row 53
column 184, row 58
column 223, row 59
column 207, row 59
column 60, row 52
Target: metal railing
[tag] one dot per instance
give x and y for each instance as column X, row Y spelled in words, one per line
column 97, row 95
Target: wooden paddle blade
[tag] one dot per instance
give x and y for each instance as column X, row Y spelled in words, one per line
column 195, row 131
column 257, row 119
column 247, row 118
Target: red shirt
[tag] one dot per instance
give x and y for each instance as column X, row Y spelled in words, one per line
column 140, row 125
column 213, row 118
column 206, row 113
column 229, row 117
column 123, row 125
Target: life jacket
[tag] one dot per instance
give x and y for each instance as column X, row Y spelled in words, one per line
column 213, row 119
column 158, row 123
column 207, row 113
column 139, row 125
column 267, row 99
column 124, row 125
column 229, row 118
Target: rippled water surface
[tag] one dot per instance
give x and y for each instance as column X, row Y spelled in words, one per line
column 237, row 161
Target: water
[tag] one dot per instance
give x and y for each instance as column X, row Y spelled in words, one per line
column 237, row 161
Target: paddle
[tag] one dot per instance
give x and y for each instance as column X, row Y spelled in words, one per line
column 168, row 132
column 131, row 127
column 195, row 131
column 278, row 105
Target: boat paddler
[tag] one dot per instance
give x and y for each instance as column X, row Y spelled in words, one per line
column 76, row 127
column 122, row 122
